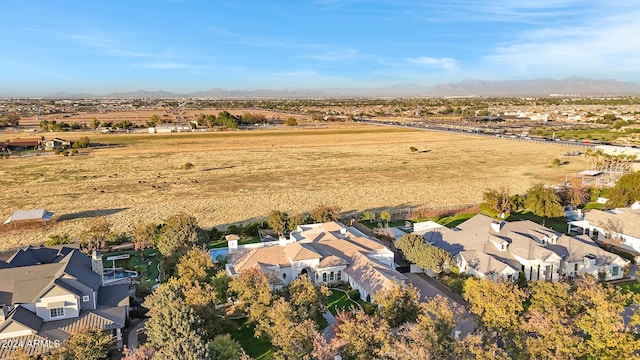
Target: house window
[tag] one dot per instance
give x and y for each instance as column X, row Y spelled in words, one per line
column 339, row 276
column 85, row 298
column 614, row 271
column 57, row 312
column 331, row 276
column 324, row 276
column 575, row 267
column 284, row 275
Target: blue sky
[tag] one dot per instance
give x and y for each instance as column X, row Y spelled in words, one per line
column 190, row 45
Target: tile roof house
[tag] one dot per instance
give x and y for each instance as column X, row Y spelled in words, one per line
column 327, row 252
column 621, row 225
column 47, row 292
column 484, row 247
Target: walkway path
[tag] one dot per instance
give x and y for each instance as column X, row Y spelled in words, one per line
column 328, row 332
column 132, row 340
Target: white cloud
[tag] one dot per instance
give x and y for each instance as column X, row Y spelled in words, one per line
column 444, row 63
column 609, row 45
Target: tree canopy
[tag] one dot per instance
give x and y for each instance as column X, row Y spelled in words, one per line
column 626, row 191
column 417, row 251
column 543, row 201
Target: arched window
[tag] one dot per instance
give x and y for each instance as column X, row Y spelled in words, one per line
column 368, row 298
column 324, row 276
column 331, row 276
column 339, row 276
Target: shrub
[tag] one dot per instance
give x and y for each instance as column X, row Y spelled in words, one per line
column 291, row 121
column 187, row 166
column 413, row 148
column 55, row 239
column 369, row 308
column 354, row 294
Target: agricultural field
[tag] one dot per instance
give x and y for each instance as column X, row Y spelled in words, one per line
column 239, row 176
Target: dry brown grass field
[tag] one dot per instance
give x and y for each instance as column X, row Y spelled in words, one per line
column 242, row 175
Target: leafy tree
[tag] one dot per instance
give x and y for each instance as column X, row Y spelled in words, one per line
column 97, row 234
column 499, row 307
column 368, row 216
column 325, row 213
column 307, row 300
column 142, row 352
column 291, row 337
column 386, row 217
column 226, row 119
column 551, row 318
column 84, row 343
column 543, row 201
column 363, row 336
column 626, row 190
column 415, row 250
column 13, row 119
column 226, row 348
column 95, row 123
column 294, row 221
column 277, row 221
column 556, row 162
column 252, row 290
column 179, row 231
column 600, row 321
column 291, row 121
column 81, row 143
column 195, row 265
column 399, row 304
column 145, row 236
column 220, row 285
column 499, row 201
column 413, row 148
column 174, row 328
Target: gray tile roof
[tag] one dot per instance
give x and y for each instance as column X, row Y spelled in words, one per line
column 24, row 317
column 113, row 295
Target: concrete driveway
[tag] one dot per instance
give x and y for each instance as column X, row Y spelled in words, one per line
column 429, row 288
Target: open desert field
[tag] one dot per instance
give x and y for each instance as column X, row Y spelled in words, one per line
column 242, row 175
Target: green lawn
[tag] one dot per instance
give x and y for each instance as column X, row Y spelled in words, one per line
column 223, row 243
column 593, row 205
column 633, row 287
column 147, row 269
column 338, row 300
column 557, row 224
column 374, row 224
column 453, row 221
column 588, row 134
column 259, row 349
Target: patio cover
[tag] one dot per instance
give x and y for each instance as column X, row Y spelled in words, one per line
column 37, row 214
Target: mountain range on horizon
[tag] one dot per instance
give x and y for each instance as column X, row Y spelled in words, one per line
column 577, row 86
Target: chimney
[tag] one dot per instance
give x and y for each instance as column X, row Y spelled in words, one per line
column 496, row 226
column 96, row 264
column 343, row 231
column 282, row 241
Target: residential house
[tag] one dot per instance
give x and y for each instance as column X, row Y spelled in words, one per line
column 484, row 247
column 26, row 144
column 56, row 144
column 327, row 253
column 48, row 292
column 620, row 227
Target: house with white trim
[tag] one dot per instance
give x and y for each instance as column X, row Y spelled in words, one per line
column 484, row 247
column 620, row 227
column 48, row 292
column 326, row 252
